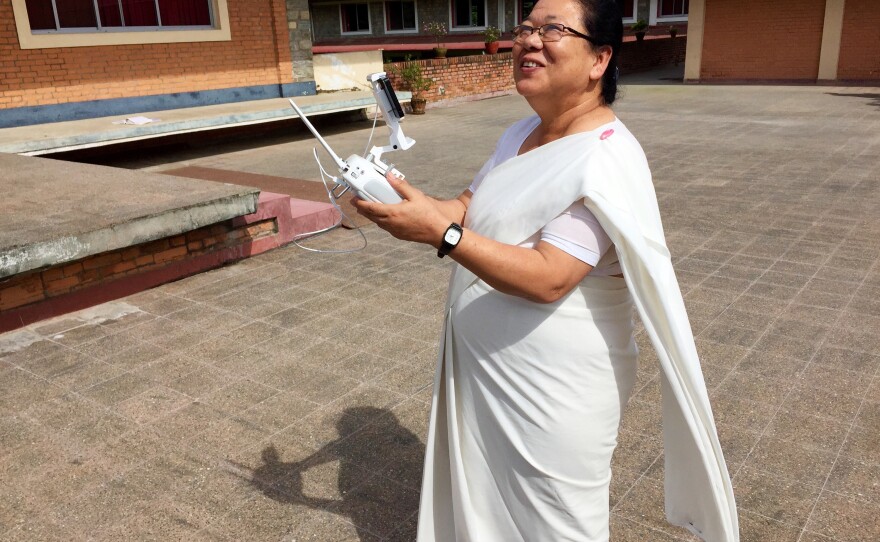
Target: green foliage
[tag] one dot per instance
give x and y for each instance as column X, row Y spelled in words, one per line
column 436, row 29
column 410, row 72
column 491, row 34
column 639, row 26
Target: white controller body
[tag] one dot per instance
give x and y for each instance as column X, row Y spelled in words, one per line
column 368, row 180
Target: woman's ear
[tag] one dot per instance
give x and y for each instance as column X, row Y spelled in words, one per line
column 603, row 57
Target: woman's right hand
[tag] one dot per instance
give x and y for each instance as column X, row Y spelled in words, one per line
column 417, row 218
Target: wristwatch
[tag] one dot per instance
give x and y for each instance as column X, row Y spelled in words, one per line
column 450, row 240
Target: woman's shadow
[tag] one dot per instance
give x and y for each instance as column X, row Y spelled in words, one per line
column 380, row 465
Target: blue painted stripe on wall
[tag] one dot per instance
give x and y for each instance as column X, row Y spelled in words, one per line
column 42, row 114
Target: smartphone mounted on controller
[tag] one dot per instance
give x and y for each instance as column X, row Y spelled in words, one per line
column 366, row 174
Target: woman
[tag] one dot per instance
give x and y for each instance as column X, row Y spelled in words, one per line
column 538, row 357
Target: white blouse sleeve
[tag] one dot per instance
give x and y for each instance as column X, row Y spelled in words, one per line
column 577, row 232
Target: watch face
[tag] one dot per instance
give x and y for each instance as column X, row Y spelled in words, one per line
column 452, row 236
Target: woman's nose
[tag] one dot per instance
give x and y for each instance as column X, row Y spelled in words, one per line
column 533, row 41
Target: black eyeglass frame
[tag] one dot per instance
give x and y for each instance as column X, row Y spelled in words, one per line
column 540, row 31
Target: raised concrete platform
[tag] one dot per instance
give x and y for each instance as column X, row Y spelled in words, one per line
column 55, row 212
column 82, row 134
column 75, row 235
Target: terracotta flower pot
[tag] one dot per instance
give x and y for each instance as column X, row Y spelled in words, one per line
column 492, row 47
column 418, row 105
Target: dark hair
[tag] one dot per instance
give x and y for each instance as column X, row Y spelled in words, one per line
column 603, row 20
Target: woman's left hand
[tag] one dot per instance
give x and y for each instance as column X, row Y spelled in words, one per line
column 416, row 218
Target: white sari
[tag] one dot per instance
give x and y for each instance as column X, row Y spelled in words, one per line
column 527, row 397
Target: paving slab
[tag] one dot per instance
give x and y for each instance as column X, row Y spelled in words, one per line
column 286, row 397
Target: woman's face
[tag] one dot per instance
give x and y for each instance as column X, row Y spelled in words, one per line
column 557, row 69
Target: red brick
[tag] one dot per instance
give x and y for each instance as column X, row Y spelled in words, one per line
column 197, row 235
column 219, row 229
column 61, row 286
column 170, row 254
column 121, row 267
column 154, row 246
column 73, row 269
column 90, row 275
column 53, row 273
column 102, row 260
column 131, row 253
column 144, row 260
column 21, row 291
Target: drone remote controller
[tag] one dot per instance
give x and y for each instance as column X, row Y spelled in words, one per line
column 366, row 175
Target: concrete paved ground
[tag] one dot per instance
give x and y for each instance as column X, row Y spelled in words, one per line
column 286, row 397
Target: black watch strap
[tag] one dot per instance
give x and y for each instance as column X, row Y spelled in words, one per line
column 450, row 239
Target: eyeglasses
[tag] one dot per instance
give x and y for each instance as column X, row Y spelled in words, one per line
column 547, row 32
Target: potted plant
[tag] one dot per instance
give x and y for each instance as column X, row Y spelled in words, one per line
column 412, row 76
column 639, row 28
column 492, row 35
column 673, row 31
column 438, row 30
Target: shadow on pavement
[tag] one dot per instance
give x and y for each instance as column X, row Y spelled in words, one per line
column 875, row 96
column 374, row 503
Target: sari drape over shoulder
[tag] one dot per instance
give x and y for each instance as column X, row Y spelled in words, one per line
column 608, row 170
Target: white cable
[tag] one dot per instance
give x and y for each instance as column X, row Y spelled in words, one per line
column 342, row 215
column 373, row 129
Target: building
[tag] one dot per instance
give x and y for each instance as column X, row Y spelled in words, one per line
column 72, row 59
column 805, row 41
column 346, row 25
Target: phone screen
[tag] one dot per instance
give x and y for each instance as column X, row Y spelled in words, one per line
column 385, row 85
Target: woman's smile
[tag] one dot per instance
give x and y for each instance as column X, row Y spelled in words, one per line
column 530, row 66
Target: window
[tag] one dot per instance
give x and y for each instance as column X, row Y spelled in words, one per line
column 47, row 24
column 525, row 8
column 672, row 8
column 400, row 16
column 107, row 15
column 468, row 13
column 629, row 10
column 355, row 18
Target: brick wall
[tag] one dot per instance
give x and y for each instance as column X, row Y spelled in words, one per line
column 638, row 56
column 860, row 43
column 28, row 288
column 487, row 74
column 757, row 39
column 462, row 76
column 258, row 54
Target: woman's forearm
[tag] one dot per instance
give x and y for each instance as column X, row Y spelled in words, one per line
column 542, row 274
column 453, row 209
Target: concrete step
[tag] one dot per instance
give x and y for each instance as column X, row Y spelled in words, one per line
column 75, row 235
